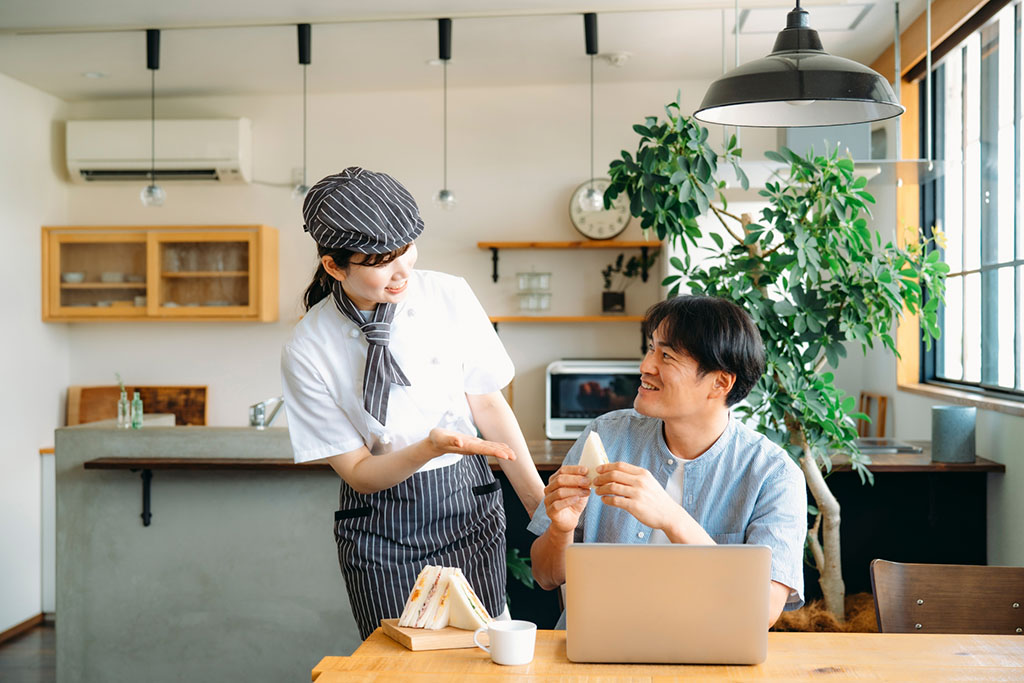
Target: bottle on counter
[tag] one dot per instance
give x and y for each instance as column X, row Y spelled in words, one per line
column 124, row 414
column 136, row 411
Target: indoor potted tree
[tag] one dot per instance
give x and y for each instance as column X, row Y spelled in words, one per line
column 812, row 275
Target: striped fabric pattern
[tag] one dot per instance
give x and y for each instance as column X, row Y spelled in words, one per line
column 451, row 516
column 362, row 211
column 381, row 367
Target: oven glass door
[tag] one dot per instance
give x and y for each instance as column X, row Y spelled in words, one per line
column 586, row 396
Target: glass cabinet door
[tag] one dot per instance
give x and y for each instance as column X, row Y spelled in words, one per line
column 98, row 275
column 203, row 275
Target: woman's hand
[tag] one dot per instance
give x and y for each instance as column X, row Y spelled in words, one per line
column 443, row 441
column 566, row 496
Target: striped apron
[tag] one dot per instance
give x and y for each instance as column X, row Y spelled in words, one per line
column 450, row 516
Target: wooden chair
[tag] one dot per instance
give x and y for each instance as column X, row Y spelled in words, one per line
column 90, row 404
column 881, row 401
column 948, row 598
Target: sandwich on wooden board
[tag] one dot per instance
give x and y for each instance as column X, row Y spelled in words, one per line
column 443, row 597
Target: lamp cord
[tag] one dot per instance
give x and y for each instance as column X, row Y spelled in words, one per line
column 444, row 64
column 152, row 130
column 591, row 122
column 304, row 125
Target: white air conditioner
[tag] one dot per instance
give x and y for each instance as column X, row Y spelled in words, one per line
column 218, row 150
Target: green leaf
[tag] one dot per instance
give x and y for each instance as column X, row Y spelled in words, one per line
column 685, row 190
column 676, row 263
column 718, row 240
column 846, row 165
column 784, row 308
column 774, row 156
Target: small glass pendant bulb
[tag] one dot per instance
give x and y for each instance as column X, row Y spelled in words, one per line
column 445, row 199
column 300, row 190
column 592, row 199
column 153, row 195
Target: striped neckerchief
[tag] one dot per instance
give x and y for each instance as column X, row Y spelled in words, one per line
column 381, row 368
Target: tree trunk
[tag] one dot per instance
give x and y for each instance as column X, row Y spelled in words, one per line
column 826, row 551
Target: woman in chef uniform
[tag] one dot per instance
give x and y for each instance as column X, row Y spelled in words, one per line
column 389, row 377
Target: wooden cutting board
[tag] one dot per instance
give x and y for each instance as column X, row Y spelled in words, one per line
column 416, row 639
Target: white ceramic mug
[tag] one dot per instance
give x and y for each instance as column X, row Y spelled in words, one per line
column 511, row 641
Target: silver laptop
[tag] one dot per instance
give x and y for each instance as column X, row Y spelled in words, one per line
column 678, row 604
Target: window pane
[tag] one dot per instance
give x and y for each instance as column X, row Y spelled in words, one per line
column 972, row 327
column 972, row 155
column 950, row 363
column 951, row 213
column 1005, row 183
column 1007, row 327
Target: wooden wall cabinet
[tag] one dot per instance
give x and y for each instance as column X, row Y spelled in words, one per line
column 214, row 273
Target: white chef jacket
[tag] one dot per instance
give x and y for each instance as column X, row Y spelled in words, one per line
column 440, row 337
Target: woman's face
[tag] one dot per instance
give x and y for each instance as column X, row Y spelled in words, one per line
column 368, row 286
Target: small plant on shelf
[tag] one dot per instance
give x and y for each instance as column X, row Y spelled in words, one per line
column 618, row 276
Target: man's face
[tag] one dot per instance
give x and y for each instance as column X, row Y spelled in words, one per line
column 671, row 386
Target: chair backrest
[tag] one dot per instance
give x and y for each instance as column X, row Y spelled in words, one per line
column 948, row 598
column 90, row 404
column 880, row 402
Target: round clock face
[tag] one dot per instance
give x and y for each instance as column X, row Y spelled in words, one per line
column 598, row 225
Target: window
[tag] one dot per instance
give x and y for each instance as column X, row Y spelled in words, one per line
column 976, row 202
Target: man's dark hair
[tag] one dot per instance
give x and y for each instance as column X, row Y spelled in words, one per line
column 716, row 333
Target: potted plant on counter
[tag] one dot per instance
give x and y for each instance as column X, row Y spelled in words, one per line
column 618, row 278
column 811, row 274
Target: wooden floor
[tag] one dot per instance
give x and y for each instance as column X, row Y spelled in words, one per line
column 31, row 657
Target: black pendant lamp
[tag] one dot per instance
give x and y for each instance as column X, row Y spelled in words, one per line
column 152, row 194
column 592, row 199
column 798, row 84
column 300, row 190
column 445, row 198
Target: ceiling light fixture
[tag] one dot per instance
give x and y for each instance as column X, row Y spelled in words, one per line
column 799, row 84
column 592, row 199
column 300, row 190
column 445, row 198
column 152, row 194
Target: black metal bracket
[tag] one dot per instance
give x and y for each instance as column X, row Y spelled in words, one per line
column 147, row 514
column 643, row 341
column 494, row 261
column 643, row 265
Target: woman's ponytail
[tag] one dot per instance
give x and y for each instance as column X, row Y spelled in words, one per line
column 319, row 288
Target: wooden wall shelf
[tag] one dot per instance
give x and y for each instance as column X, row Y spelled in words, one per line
column 642, row 245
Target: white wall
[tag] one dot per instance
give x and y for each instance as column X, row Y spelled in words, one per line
column 33, row 355
column 515, row 155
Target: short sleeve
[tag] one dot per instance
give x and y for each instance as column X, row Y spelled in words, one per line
column 316, row 424
column 779, row 521
column 486, row 366
column 540, row 521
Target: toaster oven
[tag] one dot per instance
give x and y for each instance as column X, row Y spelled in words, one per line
column 577, row 391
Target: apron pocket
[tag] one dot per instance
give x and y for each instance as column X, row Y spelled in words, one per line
column 350, row 514
column 486, row 488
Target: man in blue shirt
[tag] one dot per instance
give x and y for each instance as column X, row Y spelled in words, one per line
column 683, row 469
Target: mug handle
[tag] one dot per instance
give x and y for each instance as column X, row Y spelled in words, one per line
column 478, row 643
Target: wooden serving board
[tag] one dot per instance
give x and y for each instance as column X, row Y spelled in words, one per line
column 416, row 639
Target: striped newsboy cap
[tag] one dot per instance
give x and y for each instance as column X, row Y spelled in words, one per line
column 362, row 211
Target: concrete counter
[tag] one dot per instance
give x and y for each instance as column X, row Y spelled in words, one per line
column 236, row 578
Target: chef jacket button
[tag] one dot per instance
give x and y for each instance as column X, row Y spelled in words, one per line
column 353, row 333
column 435, row 361
column 411, row 313
column 385, row 438
column 639, row 534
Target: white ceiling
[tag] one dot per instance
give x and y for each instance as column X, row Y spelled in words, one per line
column 236, row 47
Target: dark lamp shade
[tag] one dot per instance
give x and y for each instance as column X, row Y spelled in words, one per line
column 797, row 85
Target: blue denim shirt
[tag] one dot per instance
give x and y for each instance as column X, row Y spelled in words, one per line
column 744, row 489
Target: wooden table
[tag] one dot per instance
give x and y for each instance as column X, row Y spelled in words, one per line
column 791, row 656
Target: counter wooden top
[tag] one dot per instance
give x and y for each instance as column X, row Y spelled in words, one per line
column 547, row 456
column 791, row 656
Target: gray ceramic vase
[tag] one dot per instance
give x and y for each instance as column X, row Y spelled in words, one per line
column 953, row 433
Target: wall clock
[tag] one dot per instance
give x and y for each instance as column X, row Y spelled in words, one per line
column 599, row 225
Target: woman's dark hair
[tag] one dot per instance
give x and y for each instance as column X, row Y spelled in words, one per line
column 716, row 333
column 320, row 287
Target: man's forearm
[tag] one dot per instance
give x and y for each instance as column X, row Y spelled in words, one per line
column 684, row 529
column 547, row 558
